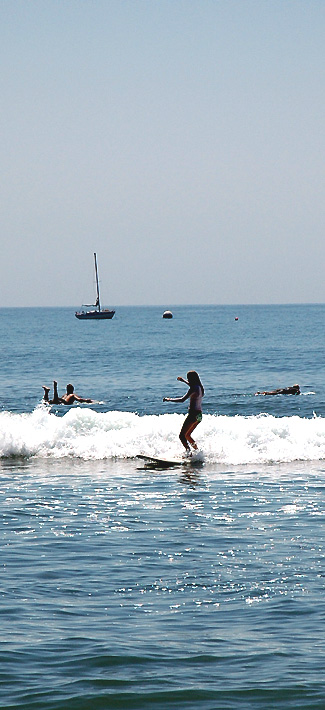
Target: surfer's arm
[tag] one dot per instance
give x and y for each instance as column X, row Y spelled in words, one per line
column 177, row 399
column 82, row 399
column 181, row 379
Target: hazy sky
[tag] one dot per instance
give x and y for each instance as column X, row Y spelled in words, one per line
column 183, row 140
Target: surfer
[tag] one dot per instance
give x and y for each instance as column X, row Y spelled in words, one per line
column 295, row 389
column 194, row 417
column 68, row 398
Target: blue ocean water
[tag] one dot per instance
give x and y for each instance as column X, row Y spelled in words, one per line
column 128, row 586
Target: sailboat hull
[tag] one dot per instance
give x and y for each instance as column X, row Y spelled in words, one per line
column 94, row 315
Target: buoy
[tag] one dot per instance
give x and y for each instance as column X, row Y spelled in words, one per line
column 167, row 314
column 236, row 318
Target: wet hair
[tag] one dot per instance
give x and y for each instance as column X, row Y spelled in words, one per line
column 193, row 380
column 70, row 389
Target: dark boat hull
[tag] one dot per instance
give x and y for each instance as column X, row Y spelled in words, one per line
column 94, row 315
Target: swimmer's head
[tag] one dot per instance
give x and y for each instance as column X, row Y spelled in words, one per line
column 70, row 389
column 296, row 387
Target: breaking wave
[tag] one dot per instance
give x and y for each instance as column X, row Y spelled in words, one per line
column 89, row 435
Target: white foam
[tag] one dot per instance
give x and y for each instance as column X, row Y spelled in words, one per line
column 84, row 433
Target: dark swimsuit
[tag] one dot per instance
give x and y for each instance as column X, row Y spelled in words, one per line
column 195, row 415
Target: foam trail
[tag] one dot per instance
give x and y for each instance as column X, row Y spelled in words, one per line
column 86, row 434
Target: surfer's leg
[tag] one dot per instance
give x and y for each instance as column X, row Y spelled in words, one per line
column 182, row 434
column 188, row 435
column 192, row 424
column 46, row 393
column 56, row 399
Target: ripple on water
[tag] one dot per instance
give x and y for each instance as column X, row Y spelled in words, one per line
column 128, row 589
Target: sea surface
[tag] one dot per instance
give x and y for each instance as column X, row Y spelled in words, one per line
column 125, row 585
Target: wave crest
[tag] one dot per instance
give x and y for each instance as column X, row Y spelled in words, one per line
column 86, row 434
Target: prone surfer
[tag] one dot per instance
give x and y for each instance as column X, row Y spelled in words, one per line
column 68, row 398
column 295, row 389
column 194, row 417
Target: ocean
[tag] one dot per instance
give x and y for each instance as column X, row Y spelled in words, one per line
column 124, row 585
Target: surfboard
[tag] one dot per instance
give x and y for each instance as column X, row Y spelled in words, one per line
column 166, row 463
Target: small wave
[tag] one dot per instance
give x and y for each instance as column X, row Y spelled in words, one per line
column 86, row 434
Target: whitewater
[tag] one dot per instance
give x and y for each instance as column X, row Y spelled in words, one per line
column 89, row 435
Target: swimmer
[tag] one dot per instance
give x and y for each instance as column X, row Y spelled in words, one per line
column 194, row 417
column 295, row 389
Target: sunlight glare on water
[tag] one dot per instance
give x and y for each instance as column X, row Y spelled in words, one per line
column 128, row 585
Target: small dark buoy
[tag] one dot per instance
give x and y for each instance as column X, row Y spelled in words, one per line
column 167, row 314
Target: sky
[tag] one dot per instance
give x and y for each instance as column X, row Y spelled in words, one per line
column 182, row 140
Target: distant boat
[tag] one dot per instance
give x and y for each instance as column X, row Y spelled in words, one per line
column 167, row 314
column 99, row 313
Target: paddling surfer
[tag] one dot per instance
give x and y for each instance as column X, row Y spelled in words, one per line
column 194, row 417
column 295, row 389
column 68, row 398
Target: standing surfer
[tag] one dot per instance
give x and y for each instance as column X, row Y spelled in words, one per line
column 194, row 417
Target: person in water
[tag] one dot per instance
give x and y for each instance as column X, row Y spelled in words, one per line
column 68, row 398
column 194, row 417
column 295, row 389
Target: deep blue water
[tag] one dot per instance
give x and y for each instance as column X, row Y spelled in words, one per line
column 126, row 586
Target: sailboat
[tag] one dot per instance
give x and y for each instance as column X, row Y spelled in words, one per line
column 99, row 313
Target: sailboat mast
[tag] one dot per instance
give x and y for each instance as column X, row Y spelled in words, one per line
column 97, row 282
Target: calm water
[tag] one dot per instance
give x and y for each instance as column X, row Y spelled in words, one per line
column 125, row 586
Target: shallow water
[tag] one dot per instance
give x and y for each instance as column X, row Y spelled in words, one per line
column 128, row 586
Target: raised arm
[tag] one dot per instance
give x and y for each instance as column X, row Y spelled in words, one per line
column 181, row 379
column 177, row 399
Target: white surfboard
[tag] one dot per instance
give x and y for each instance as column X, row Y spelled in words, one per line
column 166, row 463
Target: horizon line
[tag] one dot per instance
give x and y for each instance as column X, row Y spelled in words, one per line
column 184, row 305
